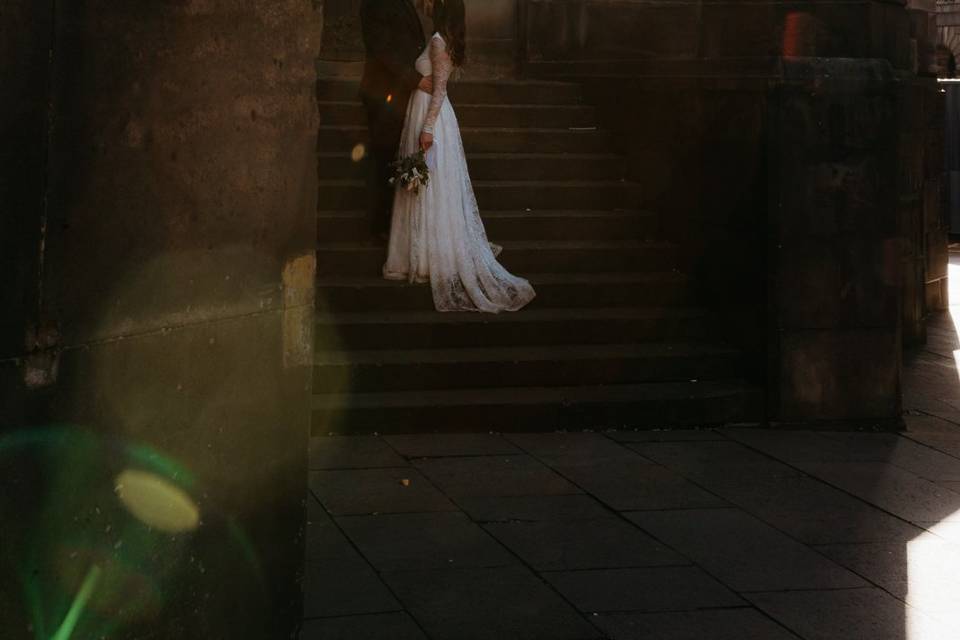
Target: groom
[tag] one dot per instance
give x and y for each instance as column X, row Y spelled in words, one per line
column 394, row 39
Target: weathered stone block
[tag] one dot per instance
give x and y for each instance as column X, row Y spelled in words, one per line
column 596, row 30
column 839, row 375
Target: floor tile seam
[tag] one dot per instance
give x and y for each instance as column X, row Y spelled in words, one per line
column 626, row 567
column 334, row 469
column 604, row 518
column 835, row 486
column 760, row 519
column 622, row 517
column 899, row 599
column 601, row 433
column 386, row 586
column 625, row 443
column 746, row 606
column 349, row 616
column 934, row 415
column 912, row 437
column 520, row 561
column 454, row 509
column 760, row 592
column 386, row 441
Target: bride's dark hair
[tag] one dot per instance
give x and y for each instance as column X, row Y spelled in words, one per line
column 450, row 21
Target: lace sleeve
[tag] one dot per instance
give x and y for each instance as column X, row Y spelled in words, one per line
column 442, row 68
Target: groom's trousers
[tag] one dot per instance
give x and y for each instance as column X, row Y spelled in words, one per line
column 385, row 121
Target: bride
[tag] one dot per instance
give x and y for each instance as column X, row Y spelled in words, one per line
column 436, row 235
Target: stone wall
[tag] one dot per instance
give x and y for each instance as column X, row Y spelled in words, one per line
column 179, row 264
column 836, row 247
column 24, row 45
column 676, row 36
column 729, row 97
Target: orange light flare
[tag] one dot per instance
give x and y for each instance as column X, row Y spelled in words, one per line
column 389, row 98
column 799, row 34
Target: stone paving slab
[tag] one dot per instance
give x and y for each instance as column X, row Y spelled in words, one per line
column 768, row 535
column 910, row 453
column 711, row 461
column 365, row 491
column 925, row 573
column 424, row 541
column 533, row 508
column 665, row 435
column 508, row 603
column 636, row 484
column 645, row 589
column 433, row 445
column 344, row 587
column 570, row 448
column 854, row 614
column 743, row 552
column 352, row 452
column 515, row 475
column 583, row 544
column 719, row 624
column 338, row 580
column 891, row 488
column 782, row 496
column 384, row 626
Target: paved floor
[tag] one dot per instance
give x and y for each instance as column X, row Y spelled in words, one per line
column 685, row 535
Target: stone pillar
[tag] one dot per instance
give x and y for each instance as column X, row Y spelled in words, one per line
column 835, row 248
column 178, row 272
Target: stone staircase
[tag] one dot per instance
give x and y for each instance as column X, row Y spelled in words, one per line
column 615, row 337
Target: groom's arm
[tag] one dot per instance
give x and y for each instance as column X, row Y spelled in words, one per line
column 379, row 34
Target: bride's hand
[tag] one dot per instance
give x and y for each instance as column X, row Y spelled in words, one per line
column 426, row 141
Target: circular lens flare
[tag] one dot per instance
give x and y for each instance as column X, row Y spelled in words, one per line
column 156, row 502
column 358, row 153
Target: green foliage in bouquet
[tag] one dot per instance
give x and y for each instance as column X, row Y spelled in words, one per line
column 411, row 173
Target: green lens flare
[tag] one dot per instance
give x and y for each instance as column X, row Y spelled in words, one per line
column 79, row 604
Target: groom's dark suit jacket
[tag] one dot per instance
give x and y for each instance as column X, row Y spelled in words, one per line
column 394, row 40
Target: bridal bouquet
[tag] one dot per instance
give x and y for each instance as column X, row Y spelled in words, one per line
column 411, row 172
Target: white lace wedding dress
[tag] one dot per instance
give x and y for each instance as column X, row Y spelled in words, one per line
column 436, row 235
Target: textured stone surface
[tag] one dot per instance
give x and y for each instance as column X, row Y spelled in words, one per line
column 336, row 452
column 582, row 544
column 464, row 444
column 744, row 552
column 366, row 491
column 178, row 270
column 516, row 475
column 635, row 483
column 384, row 626
column 731, row 624
column 505, row 604
column 424, row 541
column 861, row 613
column 533, row 508
column 652, row 589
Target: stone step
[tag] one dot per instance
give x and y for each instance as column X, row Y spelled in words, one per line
column 649, row 405
column 352, row 226
column 479, row 115
column 532, row 327
column 384, row 371
column 520, row 257
column 337, row 195
column 499, row 166
column 483, row 92
column 554, row 290
column 489, row 140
